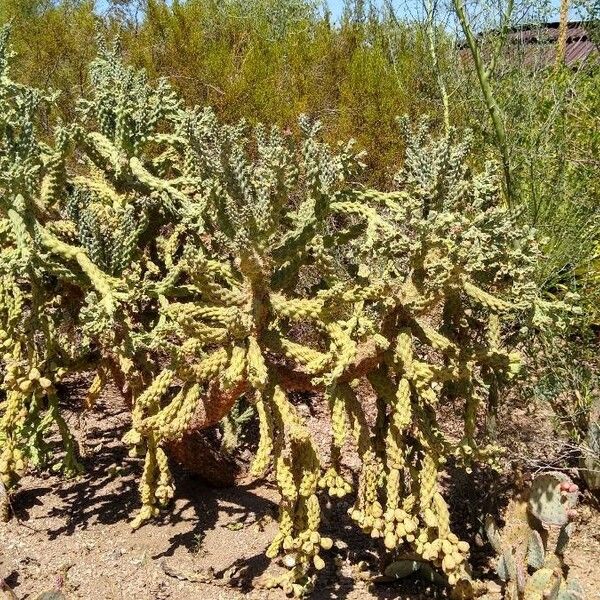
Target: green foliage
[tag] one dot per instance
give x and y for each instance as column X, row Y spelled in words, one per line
column 241, row 235
column 258, row 60
column 568, row 382
column 54, row 42
column 552, row 139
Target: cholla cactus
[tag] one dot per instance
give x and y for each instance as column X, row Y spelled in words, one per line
column 186, row 254
column 526, row 566
column 406, row 290
column 30, row 340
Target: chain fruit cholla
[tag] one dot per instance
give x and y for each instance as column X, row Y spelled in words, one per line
column 193, row 262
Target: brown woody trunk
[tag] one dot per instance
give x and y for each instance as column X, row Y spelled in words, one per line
column 200, row 455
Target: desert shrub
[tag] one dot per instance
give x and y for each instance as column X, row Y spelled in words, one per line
column 550, row 120
column 176, row 256
column 567, row 380
column 264, row 61
column 54, row 43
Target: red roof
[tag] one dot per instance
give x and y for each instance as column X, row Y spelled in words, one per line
column 537, row 43
column 579, row 45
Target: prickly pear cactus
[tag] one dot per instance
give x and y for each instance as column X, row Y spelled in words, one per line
column 552, row 498
column 194, row 263
column 532, row 543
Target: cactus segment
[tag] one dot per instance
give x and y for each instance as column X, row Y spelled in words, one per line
column 536, row 552
column 590, row 461
column 540, row 584
column 402, row 568
column 571, row 590
column 566, row 531
column 552, row 495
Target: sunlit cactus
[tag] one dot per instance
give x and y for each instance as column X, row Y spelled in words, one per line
column 194, row 263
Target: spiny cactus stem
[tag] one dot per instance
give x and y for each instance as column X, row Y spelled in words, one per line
column 368, row 357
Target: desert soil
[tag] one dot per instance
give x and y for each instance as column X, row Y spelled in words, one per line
column 211, row 544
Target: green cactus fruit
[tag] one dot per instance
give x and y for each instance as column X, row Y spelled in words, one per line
column 536, row 553
column 552, row 496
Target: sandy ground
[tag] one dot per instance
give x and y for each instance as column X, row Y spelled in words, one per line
column 211, row 545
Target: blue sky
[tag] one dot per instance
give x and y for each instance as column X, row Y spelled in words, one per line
column 336, row 6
